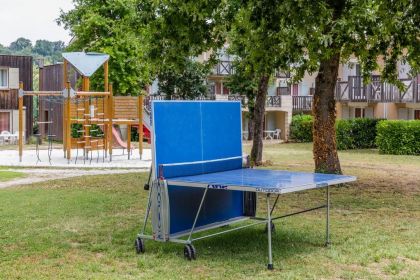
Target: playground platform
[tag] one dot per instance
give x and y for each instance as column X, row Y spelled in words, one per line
column 30, row 159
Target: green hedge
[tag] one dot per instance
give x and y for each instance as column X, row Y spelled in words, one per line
column 301, row 128
column 356, row 133
column 351, row 134
column 398, row 137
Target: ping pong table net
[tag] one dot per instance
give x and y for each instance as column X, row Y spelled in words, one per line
column 180, row 169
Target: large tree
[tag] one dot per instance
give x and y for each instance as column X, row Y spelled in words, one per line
column 111, row 27
column 322, row 34
column 308, row 36
column 185, row 82
column 21, row 44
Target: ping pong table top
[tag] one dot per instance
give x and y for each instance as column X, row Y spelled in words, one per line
column 261, row 180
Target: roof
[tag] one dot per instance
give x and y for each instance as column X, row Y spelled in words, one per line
column 86, row 63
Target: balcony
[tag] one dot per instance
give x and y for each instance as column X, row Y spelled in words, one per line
column 271, row 101
column 147, row 103
column 302, row 103
column 354, row 90
column 282, row 74
column 223, row 68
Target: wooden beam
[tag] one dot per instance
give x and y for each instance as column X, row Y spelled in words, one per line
column 68, row 123
column 106, row 75
column 129, row 140
column 65, row 73
column 140, row 130
column 110, row 117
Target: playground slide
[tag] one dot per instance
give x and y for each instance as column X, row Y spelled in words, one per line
column 146, row 120
column 117, row 138
column 146, row 131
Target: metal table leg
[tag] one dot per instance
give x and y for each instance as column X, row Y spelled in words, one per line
column 270, row 253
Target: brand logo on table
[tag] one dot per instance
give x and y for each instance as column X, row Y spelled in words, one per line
column 268, row 190
column 219, row 187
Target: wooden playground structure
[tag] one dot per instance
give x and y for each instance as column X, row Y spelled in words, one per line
column 88, row 117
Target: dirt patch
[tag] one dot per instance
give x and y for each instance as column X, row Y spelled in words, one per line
column 41, row 175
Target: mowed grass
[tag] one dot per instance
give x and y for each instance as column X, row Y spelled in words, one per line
column 84, row 228
column 6, row 175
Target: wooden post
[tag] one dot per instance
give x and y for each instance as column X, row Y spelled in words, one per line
column 65, row 81
column 129, row 140
column 106, row 75
column 20, row 122
column 68, row 122
column 110, row 117
column 86, row 128
column 140, row 130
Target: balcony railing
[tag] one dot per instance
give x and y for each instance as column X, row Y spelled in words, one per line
column 223, row 68
column 147, row 103
column 354, row 90
column 271, row 101
column 282, row 74
column 302, row 103
column 283, row 90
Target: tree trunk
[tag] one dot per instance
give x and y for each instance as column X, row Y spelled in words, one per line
column 250, row 128
column 325, row 147
column 259, row 110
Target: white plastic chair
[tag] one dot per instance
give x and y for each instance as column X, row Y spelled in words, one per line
column 16, row 137
column 277, row 133
column 6, row 135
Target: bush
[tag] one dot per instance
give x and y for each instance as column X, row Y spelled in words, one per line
column 301, row 128
column 398, row 137
column 343, row 135
column 356, row 133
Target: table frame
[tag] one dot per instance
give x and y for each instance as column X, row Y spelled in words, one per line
column 268, row 220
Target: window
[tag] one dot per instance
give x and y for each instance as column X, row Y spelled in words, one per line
column 4, row 78
column 359, row 112
column 4, row 121
column 417, row 114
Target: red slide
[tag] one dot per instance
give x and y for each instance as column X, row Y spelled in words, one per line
column 117, row 138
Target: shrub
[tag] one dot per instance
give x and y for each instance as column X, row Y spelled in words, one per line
column 344, row 135
column 356, row 133
column 398, row 137
column 301, row 128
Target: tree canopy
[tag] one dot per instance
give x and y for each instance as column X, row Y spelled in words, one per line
column 187, row 83
column 111, row 27
column 300, row 36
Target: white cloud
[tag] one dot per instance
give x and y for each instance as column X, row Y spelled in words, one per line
column 32, row 19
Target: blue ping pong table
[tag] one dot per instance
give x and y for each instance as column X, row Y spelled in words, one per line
column 200, row 180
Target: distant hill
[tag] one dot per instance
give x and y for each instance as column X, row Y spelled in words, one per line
column 49, row 52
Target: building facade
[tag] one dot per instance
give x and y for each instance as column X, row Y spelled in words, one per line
column 15, row 69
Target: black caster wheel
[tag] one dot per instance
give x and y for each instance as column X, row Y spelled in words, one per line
column 146, row 187
column 273, row 228
column 139, row 244
column 270, row 266
column 189, row 252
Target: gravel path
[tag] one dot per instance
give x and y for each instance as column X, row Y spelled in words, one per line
column 43, row 174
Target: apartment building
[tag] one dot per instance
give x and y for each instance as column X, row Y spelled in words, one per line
column 377, row 99
column 13, row 69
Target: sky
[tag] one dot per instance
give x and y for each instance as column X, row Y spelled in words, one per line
column 32, row 19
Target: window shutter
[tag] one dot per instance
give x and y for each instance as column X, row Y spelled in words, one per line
column 13, row 78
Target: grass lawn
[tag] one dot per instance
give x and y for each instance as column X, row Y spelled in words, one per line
column 84, row 228
column 6, row 175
